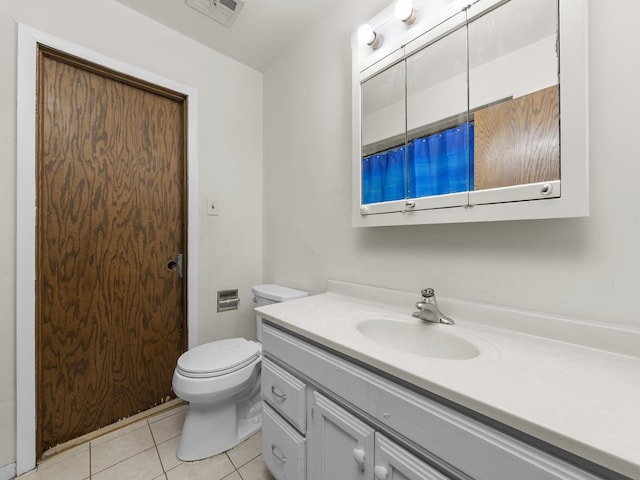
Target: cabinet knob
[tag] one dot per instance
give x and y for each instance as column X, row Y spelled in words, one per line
column 358, row 456
column 380, row 472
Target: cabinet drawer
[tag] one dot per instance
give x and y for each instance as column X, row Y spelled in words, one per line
column 283, row 449
column 285, row 393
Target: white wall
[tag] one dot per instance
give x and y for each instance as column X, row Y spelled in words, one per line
column 7, row 239
column 587, row 268
column 229, row 151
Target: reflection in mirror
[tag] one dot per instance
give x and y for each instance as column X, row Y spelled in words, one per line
column 513, row 68
column 383, row 136
column 438, row 128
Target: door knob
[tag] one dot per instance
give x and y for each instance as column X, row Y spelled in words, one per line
column 172, row 265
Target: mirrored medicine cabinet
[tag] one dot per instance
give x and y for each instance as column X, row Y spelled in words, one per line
column 473, row 113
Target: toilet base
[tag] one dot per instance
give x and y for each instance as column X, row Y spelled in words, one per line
column 209, row 431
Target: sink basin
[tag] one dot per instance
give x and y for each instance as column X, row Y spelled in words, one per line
column 419, row 338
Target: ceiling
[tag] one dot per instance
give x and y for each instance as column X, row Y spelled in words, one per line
column 261, row 31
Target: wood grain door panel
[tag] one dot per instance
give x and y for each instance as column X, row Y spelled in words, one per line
column 111, row 318
column 518, row 141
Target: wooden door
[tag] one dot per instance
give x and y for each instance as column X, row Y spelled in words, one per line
column 110, row 309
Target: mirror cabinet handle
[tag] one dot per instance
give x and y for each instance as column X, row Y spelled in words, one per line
column 546, row 189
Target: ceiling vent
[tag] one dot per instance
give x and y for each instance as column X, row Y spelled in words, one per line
column 223, row 11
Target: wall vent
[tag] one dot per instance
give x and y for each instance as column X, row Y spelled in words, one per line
column 222, row 11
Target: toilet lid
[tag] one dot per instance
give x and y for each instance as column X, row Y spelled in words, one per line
column 218, row 358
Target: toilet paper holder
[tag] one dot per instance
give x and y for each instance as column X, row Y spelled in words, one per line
column 228, row 300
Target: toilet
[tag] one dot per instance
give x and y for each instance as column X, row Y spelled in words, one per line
column 221, row 382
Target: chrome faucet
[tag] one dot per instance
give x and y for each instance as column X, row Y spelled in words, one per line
column 428, row 309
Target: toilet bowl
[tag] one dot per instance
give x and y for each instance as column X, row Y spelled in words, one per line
column 221, row 382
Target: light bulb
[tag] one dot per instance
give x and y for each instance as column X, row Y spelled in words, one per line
column 367, row 36
column 405, row 12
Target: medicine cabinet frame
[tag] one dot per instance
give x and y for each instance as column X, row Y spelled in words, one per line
column 437, row 19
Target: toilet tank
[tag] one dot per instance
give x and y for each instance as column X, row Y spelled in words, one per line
column 272, row 293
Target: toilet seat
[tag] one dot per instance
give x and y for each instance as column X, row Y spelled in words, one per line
column 219, row 358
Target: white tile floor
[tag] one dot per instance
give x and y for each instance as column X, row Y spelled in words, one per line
column 145, row 450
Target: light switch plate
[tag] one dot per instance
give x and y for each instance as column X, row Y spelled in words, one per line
column 213, row 207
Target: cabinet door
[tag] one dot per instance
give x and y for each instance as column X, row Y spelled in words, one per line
column 393, row 462
column 341, row 446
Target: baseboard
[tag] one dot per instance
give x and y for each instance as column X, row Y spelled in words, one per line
column 8, row 472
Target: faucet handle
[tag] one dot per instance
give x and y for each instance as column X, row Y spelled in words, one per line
column 428, row 292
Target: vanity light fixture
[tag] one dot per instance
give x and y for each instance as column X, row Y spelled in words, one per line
column 405, row 12
column 367, row 36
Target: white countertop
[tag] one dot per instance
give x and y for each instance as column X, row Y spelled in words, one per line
column 582, row 399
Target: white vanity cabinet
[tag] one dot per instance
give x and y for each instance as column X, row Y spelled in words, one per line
column 362, row 425
column 340, row 444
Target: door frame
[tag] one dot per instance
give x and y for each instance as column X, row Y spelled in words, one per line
column 28, row 39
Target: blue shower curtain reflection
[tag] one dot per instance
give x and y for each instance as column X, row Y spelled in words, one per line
column 373, row 177
column 383, row 176
column 442, row 163
column 394, row 182
column 437, row 164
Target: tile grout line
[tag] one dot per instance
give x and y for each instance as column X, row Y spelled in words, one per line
column 226, row 454
column 123, row 461
column 250, row 460
column 244, row 464
column 240, row 475
column 155, row 444
column 127, row 458
column 236, row 469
